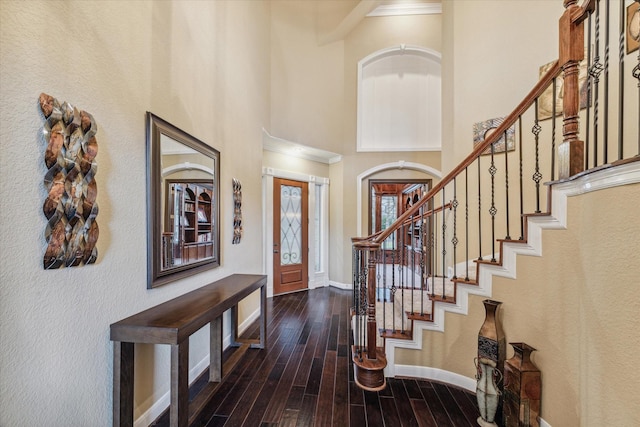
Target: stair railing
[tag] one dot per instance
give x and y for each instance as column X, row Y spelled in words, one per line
column 400, row 273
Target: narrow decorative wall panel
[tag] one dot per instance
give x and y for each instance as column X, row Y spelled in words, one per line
column 70, row 207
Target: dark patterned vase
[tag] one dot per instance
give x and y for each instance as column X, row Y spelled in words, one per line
column 491, row 355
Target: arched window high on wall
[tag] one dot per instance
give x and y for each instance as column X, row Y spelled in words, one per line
column 399, row 93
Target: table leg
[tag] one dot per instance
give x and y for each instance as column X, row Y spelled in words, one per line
column 263, row 319
column 179, row 409
column 234, row 327
column 123, row 384
column 215, row 350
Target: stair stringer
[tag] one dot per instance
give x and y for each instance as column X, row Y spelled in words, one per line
column 602, row 178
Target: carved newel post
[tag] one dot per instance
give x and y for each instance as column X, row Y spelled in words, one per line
column 522, row 388
column 490, row 363
column 571, row 52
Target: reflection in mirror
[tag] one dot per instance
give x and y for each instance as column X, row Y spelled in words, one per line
column 183, row 207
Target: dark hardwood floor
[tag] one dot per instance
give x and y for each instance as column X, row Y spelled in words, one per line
column 305, row 378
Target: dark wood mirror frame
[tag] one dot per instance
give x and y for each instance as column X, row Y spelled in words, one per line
column 157, row 273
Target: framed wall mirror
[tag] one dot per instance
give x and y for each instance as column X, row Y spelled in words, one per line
column 183, row 204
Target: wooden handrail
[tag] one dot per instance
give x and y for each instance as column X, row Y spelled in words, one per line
column 426, row 214
column 583, row 11
column 510, row 120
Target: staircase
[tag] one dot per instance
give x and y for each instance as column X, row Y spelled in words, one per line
column 493, row 206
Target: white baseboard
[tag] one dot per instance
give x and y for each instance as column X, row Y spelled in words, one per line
column 436, row 374
column 151, row 414
column 339, row 285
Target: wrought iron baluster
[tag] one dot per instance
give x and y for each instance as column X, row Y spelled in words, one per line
column 454, row 240
column 605, row 125
column 621, row 82
column 423, row 254
column 594, row 72
column 553, row 135
column 402, row 272
column 393, row 291
column 589, row 96
column 432, row 243
column 506, row 182
column 479, row 214
column 537, row 176
column 492, row 210
column 444, row 244
column 466, row 222
column 636, row 74
column 521, row 179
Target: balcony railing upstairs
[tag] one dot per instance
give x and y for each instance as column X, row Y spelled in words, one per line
column 400, row 273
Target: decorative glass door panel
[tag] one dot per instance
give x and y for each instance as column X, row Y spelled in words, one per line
column 290, row 224
column 290, row 249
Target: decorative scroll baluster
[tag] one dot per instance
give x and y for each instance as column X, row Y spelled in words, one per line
column 423, row 252
column 454, row 240
column 636, row 74
column 605, row 124
column 537, row 176
column 621, row 82
column 393, row 291
column 594, row 73
column 466, row 222
column 589, row 96
column 402, row 273
column 444, row 245
column 492, row 210
column 521, row 178
column 506, row 183
column 412, row 248
column 553, row 135
column 432, row 243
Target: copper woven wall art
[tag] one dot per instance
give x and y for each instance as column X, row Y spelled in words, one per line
column 70, row 207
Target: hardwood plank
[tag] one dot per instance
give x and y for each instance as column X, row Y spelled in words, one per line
column 324, row 407
column 372, row 409
column 260, row 404
column 390, row 412
column 413, row 390
column 332, row 342
column 289, row 418
column 402, row 401
column 315, row 376
column 341, row 392
column 276, row 406
column 453, row 410
column 307, row 411
column 294, row 401
column 423, row 413
column 438, row 411
column 357, row 416
column 242, row 406
column 468, row 408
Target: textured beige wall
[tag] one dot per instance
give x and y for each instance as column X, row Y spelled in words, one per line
column 203, row 66
column 294, row 164
column 577, row 305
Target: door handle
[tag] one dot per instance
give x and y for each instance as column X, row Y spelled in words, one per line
column 275, row 251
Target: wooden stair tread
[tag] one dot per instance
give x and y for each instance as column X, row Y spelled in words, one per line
column 396, row 334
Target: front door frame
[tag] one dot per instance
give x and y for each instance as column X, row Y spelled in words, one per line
column 316, row 184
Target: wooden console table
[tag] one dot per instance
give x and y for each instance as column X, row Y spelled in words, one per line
column 172, row 323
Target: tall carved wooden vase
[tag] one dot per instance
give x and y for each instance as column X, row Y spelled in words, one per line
column 522, row 388
column 490, row 364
